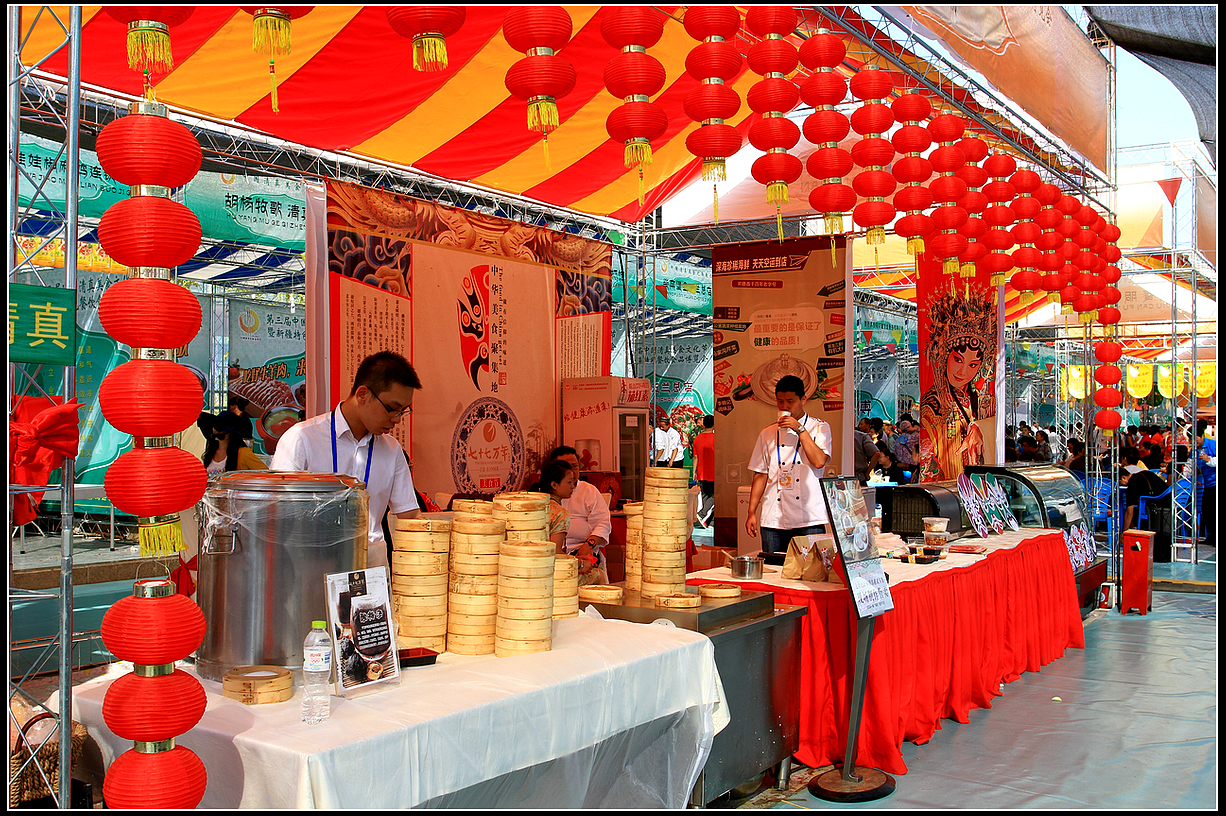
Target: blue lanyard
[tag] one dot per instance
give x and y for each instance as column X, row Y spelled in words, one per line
column 796, row 456
column 370, row 452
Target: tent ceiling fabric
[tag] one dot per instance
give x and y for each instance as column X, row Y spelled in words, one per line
column 1180, row 42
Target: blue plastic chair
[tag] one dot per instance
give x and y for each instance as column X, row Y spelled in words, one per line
column 1100, row 503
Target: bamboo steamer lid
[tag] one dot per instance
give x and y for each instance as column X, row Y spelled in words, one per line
column 509, row 587
column 679, row 600
column 632, row 509
column 526, row 535
column 536, row 571
column 650, row 590
column 505, row 647
column 529, row 548
column 419, row 584
column 528, row 562
column 471, row 605
column 508, row 602
column 475, row 625
column 436, row 643
column 472, row 506
column 720, row 590
column 521, row 502
column 672, row 474
column 517, row 629
column 667, row 512
column 601, row 593
column 663, row 575
column 658, row 558
column 424, row 525
column 435, row 560
column 483, row 525
column 565, row 565
column 470, row 644
column 459, row 584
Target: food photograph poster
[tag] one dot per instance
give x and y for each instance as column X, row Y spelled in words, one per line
column 780, row 308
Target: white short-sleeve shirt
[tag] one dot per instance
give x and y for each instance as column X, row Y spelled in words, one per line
column 804, row 506
column 666, row 444
column 589, row 515
column 307, row 446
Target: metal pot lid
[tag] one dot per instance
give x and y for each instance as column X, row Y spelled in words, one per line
column 282, row 481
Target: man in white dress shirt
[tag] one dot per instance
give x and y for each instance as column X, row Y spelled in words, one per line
column 353, row 439
column 666, row 445
column 590, row 520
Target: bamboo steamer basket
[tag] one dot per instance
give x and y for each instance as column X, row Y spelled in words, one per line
column 662, row 575
column 474, row 563
column 410, row 627
column 475, row 507
column 632, row 509
column 525, row 607
column 521, row 502
column 566, row 603
column 526, row 588
column 665, row 495
column 719, row 590
column 663, row 558
column 536, row 521
column 651, row 590
column 424, row 525
column 672, row 474
column 661, row 526
column 634, row 581
column 666, row 512
column 405, row 605
column 463, row 604
column 505, row 647
column 476, row 625
column 420, row 542
column 459, row 584
column 475, row 545
column 433, row 560
column 565, row 566
column 515, row 571
column 601, row 593
column 529, row 548
column 566, row 615
column 470, row 644
column 663, row 544
column 436, row 643
column 526, row 535
column 411, row 572
column 478, row 525
column 679, row 600
column 419, row 584
column 519, row 629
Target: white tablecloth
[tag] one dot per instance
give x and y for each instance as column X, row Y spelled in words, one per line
column 616, row 715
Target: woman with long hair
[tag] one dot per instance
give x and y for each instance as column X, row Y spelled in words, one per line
column 558, row 479
column 226, row 449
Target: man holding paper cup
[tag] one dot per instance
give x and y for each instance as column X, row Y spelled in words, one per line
column 788, row 460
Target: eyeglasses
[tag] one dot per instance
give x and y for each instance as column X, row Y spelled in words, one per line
column 392, row 414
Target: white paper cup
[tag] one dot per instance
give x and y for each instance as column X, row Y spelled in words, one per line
column 933, row 524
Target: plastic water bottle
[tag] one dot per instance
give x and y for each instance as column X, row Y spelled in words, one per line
column 316, row 674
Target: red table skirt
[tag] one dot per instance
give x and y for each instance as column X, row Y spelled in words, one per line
column 947, row 646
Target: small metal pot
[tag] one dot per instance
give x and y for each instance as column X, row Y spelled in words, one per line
column 746, row 566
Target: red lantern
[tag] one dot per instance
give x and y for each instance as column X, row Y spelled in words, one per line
column 142, row 149
column 155, row 482
column 712, row 62
column 169, row 780
column 149, row 231
column 1107, row 375
column 973, row 201
column 1109, row 315
column 1108, row 351
column 822, row 53
column 151, row 398
column 634, row 76
column 1108, row 420
column 149, row 35
column 150, row 313
column 152, row 709
column 872, row 120
column 998, row 214
column 542, row 77
column 773, row 97
column 428, row 27
column 153, row 631
column 912, row 170
column 270, row 35
column 1107, row 398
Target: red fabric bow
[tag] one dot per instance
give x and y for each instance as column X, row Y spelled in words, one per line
column 185, row 584
column 35, row 449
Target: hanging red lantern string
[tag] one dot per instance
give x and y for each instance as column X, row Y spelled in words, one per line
column 428, row 27
column 1087, row 262
column 1026, row 232
column 1047, row 219
column 713, row 62
column 974, row 150
column 947, row 190
column 912, row 170
column 149, row 37
column 270, row 37
column 772, row 98
column 871, row 120
column 542, row 77
column 826, row 127
column 1108, row 351
column 634, row 76
column 998, row 215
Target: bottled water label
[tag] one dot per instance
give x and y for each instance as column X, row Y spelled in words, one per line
column 317, row 658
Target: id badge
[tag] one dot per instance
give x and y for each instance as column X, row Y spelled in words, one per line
column 787, row 480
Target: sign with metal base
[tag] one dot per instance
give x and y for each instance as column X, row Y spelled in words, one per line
column 850, row 522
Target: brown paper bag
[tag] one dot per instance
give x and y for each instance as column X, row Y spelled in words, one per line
column 803, row 561
column 830, row 561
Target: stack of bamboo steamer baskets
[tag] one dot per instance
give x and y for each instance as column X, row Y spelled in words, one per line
column 525, row 597
column 472, row 598
column 468, row 508
column 419, row 582
column 665, row 531
column 565, row 586
column 634, row 545
column 526, row 515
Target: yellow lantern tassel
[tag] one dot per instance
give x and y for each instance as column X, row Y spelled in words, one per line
column 834, row 223
column 270, row 34
column 160, row 536
column 543, row 114
column 548, row 163
column 915, row 245
column 642, row 187
column 715, row 204
column 149, row 47
column 272, row 77
column 713, row 169
column 637, row 154
column 429, row 53
column 950, row 266
column 779, row 222
column 876, row 263
column 876, row 235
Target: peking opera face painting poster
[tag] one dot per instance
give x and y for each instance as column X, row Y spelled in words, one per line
column 960, row 369
column 468, row 299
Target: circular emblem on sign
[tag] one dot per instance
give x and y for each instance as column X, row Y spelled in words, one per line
column 249, row 321
column 487, row 449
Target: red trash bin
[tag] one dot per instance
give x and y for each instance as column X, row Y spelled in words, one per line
column 1137, row 591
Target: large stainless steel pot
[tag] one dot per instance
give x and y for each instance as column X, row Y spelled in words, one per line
column 267, row 540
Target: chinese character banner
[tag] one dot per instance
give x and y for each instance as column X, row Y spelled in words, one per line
column 780, row 309
column 267, row 367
